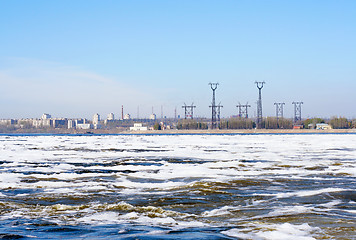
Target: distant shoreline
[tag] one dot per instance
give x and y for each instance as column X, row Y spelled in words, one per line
column 183, row 132
column 241, row 131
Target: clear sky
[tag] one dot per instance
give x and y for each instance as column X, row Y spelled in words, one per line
column 76, row 58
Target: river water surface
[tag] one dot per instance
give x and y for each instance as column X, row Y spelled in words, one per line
column 286, row 186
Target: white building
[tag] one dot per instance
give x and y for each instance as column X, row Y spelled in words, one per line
column 127, row 116
column 153, row 116
column 46, row 116
column 37, row 123
column 85, row 126
column 323, row 126
column 138, row 127
column 71, row 124
column 45, row 121
column 96, row 119
column 8, row 121
column 111, row 117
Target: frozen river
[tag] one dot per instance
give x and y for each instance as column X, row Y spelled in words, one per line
column 268, row 186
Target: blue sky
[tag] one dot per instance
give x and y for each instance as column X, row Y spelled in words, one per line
column 76, row 58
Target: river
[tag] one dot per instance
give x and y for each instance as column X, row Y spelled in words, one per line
column 242, row 186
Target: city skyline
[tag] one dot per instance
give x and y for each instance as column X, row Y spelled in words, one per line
column 74, row 59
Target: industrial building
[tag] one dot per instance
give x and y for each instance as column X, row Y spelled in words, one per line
column 138, row 127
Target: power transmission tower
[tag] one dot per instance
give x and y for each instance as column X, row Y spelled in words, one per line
column 188, row 111
column 279, row 111
column 243, row 110
column 218, row 107
column 213, row 87
column 259, row 103
column 297, row 111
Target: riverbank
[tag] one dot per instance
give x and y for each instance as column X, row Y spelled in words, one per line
column 177, row 132
column 243, row 131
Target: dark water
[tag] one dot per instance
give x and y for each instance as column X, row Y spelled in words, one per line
column 178, row 187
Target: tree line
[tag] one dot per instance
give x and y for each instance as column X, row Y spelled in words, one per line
column 267, row 123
